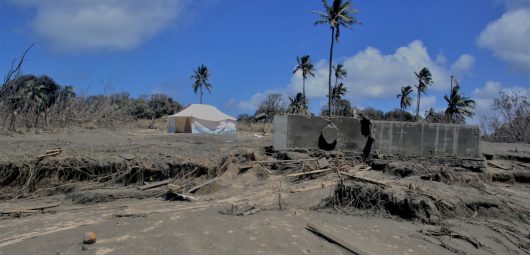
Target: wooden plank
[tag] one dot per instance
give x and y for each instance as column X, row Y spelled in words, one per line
column 195, row 188
column 310, row 172
column 315, row 229
column 155, row 184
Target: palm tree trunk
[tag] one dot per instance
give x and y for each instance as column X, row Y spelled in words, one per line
column 330, row 65
column 201, row 95
column 303, row 86
column 418, row 105
column 303, row 91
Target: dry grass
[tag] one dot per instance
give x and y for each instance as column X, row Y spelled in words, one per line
column 255, row 127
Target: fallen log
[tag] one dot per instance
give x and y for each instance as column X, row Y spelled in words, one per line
column 335, row 239
column 155, row 184
column 310, row 172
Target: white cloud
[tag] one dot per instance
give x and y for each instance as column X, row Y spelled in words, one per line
column 372, row 74
column 509, row 36
column 463, row 64
column 72, row 25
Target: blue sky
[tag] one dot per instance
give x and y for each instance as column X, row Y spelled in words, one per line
column 250, row 47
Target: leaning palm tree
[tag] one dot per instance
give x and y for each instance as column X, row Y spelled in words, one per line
column 338, row 91
column 307, row 68
column 340, row 73
column 297, row 105
column 339, row 14
column 424, row 80
column 200, row 77
column 431, row 115
column 458, row 106
column 405, row 99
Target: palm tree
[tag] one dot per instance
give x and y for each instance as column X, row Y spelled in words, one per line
column 338, row 92
column 431, row 115
column 200, row 77
column 339, row 14
column 340, row 73
column 297, row 104
column 405, row 100
column 304, row 65
column 458, row 106
column 424, row 80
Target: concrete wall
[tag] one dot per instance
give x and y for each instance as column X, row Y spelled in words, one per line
column 392, row 137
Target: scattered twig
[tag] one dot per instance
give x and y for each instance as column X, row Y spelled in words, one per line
column 444, row 231
column 335, row 239
column 357, row 178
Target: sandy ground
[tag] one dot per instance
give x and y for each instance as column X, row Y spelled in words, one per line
column 181, row 227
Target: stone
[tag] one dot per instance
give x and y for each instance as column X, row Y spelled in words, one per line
column 89, row 237
column 330, row 133
column 323, row 163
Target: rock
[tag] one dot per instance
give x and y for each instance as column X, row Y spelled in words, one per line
column 330, row 133
column 323, row 163
column 378, row 164
column 84, row 247
column 89, row 237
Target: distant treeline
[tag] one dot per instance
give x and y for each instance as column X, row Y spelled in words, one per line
column 31, row 101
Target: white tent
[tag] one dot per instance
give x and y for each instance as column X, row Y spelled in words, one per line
column 201, row 119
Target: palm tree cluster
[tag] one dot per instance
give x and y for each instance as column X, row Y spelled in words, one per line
column 458, row 106
column 31, row 97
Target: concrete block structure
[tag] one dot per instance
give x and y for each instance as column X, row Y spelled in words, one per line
column 392, row 137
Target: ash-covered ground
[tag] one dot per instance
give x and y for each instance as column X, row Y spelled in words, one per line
column 147, row 192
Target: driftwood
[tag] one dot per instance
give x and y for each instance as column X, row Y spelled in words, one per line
column 497, row 165
column 130, row 214
column 174, row 196
column 357, row 178
column 27, row 211
column 50, row 153
column 335, row 239
column 321, row 185
column 195, row 188
column 310, row 172
column 283, row 161
column 155, row 184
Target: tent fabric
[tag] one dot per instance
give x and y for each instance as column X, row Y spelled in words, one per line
column 201, row 119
